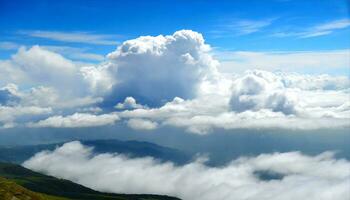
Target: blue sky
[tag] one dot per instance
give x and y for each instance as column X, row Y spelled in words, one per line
column 274, row 25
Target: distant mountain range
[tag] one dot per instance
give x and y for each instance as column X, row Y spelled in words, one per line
column 18, row 154
column 19, row 183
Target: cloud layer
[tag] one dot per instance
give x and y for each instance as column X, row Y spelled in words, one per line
column 77, row 120
column 173, row 80
column 320, row 177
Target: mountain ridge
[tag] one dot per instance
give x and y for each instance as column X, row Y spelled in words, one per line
column 131, row 148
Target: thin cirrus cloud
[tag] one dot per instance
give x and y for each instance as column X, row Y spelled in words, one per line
column 296, row 61
column 317, row 30
column 317, row 177
column 241, row 27
column 74, row 37
column 6, row 45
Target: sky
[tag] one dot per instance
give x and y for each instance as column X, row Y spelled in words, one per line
column 262, row 26
column 270, row 77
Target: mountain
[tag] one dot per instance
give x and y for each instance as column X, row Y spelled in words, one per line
column 23, row 183
column 18, row 154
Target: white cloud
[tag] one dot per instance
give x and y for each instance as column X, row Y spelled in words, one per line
column 260, row 89
column 157, row 69
column 249, row 26
column 262, row 119
column 315, row 82
column 315, row 62
column 49, row 79
column 326, row 28
column 320, row 177
column 129, row 103
column 317, row 30
column 241, row 27
column 142, row 124
column 98, row 79
column 75, row 53
column 45, row 67
column 176, row 82
column 5, row 45
column 77, row 120
column 74, row 37
column 258, row 99
column 43, row 97
column 9, row 114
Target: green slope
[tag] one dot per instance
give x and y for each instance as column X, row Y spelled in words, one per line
column 63, row 188
column 9, row 190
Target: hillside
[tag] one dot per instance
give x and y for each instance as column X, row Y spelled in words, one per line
column 9, row 190
column 21, row 180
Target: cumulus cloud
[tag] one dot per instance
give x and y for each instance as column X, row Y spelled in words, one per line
column 257, row 99
column 77, row 120
column 320, row 177
column 42, row 96
column 44, row 80
column 156, row 69
column 44, row 66
column 260, row 89
column 8, row 94
column 129, row 103
column 98, row 78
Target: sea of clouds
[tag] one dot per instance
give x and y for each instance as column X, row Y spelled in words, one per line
column 320, row 177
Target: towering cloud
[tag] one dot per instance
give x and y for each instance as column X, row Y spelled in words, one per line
column 154, row 70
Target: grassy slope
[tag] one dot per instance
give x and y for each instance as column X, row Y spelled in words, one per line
column 58, row 187
column 9, row 190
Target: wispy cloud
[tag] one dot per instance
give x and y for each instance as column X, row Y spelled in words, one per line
column 327, row 28
column 298, row 61
column 245, row 27
column 68, row 51
column 241, row 27
column 75, row 53
column 74, row 37
column 5, row 45
column 317, row 30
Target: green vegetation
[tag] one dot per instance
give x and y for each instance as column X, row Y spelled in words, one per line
column 11, row 191
column 24, row 182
